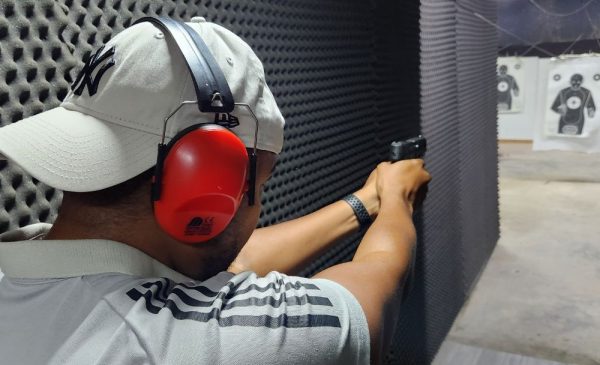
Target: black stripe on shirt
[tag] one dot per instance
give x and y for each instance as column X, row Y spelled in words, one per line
column 257, row 302
column 261, row 289
column 283, row 320
column 162, row 294
column 248, row 302
column 226, row 295
column 163, row 288
column 209, row 293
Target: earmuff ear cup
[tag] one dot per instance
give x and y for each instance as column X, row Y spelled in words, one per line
column 202, row 185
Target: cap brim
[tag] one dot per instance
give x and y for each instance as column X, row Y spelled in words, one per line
column 76, row 152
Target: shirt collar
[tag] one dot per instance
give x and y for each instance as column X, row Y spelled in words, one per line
column 23, row 254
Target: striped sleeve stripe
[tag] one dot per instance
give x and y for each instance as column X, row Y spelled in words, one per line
column 249, row 302
column 209, row 293
column 257, row 302
column 276, row 303
column 227, row 293
column 297, row 285
column 162, row 288
column 301, row 321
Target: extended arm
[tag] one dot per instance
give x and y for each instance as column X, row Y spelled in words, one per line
column 287, row 247
column 377, row 272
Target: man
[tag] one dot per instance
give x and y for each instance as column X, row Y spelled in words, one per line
column 507, row 86
column 106, row 285
column 570, row 104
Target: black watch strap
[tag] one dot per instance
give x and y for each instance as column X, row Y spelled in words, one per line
column 364, row 219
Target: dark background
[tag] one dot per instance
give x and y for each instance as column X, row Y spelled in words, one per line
column 349, row 76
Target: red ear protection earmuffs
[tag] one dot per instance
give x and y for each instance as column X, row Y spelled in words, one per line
column 201, row 174
column 203, row 179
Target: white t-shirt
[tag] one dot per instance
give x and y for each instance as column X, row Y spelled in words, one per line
column 103, row 302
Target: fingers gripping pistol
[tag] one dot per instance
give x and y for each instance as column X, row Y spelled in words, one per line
column 406, row 150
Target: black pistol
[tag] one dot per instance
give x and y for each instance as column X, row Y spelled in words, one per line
column 408, row 149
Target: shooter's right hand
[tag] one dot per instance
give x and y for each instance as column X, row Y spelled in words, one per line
column 401, row 180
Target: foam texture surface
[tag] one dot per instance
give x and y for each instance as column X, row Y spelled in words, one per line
column 349, row 76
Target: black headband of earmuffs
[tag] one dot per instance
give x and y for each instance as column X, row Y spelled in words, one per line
column 212, row 91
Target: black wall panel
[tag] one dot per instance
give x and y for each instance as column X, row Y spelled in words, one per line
column 460, row 228
column 438, row 294
column 350, row 76
column 476, row 58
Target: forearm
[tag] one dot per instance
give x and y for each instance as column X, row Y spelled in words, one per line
column 391, row 237
column 387, row 247
column 287, row 247
column 376, row 273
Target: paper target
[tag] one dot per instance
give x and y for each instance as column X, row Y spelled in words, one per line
column 572, row 94
column 510, row 78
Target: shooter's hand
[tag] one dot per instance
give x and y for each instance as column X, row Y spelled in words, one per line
column 401, row 181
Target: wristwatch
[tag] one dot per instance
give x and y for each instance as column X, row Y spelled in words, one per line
column 364, row 219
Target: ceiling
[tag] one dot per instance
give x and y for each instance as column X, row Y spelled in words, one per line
column 544, row 21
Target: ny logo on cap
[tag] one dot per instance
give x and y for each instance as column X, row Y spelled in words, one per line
column 86, row 77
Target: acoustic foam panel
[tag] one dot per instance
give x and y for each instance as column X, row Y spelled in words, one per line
column 460, row 219
column 477, row 55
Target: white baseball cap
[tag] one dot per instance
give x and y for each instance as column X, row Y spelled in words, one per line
column 106, row 136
